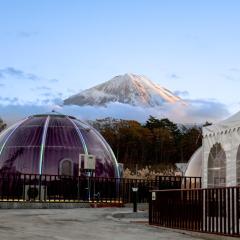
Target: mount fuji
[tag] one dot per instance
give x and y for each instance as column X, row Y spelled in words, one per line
column 132, row 89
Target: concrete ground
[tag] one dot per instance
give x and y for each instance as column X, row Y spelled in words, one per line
column 79, row 224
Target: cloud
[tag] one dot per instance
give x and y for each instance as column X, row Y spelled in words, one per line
column 25, row 34
column 231, row 77
column 13, row 72
column 9, row 101
column 10, row 73
column 201, row 110
column 54, row 80
column 13, row 113
column 74, row 91
column 181, row 93
column 233, row 74
column 47, row 97
column 2, row 85
column 52, row 101
column 41, row 88
column 175, row 76
column 51, row 97
column 46, row 94
column 197, row 111
column 234, row 70
column 42, row 97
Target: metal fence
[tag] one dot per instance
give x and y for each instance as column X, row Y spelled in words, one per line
column 178, row 182
column 215, row 210
column 56, row 188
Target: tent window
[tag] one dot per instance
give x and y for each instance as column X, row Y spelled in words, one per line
column 238, row 166
column 217, row 166
column 66, row 167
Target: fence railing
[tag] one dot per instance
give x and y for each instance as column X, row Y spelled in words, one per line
column 215, row 210
column 56, row 188
column 178, row 182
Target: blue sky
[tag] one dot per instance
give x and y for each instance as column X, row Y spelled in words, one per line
column 50, row 50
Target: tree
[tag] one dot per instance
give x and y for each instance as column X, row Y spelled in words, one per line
column 190, row 141
column 157, row 142
column 167, row 141
column 2, row 125
column 165, row 123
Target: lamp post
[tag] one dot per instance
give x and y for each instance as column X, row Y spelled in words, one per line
column 135, row 191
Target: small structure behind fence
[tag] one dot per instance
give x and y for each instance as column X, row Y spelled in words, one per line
column 215, row 210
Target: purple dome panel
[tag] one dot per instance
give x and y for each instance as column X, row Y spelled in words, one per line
column 20, row 160
column 26, row 136
column 59, row 122
column 27, row 133
column 54, row 155
column 104, row 161
column 62, row 136
column 39, row 144
column 36, row 121
column 20, row 151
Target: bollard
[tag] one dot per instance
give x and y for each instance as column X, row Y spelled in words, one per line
column 135, row 190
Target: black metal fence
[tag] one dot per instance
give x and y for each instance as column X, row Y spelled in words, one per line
column 56, row 188
column 177, row 182
column 215, row 210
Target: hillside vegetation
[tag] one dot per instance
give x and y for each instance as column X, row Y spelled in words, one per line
column 158, row 143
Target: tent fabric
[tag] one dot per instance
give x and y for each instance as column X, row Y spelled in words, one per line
column 221, row 153
column 194, row 167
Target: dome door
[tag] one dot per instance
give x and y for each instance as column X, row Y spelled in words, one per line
column 66, row 167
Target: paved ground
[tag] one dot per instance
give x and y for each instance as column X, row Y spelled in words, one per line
column 79, row 224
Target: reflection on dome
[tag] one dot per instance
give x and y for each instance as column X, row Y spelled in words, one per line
column 43, row 144
column 194, row 167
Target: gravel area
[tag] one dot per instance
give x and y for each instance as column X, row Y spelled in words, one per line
column 80, row 224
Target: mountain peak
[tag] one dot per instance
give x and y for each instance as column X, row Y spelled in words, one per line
column 136, row 90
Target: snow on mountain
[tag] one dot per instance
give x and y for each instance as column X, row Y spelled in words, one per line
column 129, row 89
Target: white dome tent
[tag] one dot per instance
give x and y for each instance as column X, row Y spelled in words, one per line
column 194, row 166
column 221, row 153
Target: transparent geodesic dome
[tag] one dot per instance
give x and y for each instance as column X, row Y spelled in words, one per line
column 51, row 144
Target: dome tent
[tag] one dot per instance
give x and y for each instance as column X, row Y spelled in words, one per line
column 221, row 153
column 194, row 166
column 51, row 144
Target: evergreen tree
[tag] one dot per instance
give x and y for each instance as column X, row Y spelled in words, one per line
column 158, row 141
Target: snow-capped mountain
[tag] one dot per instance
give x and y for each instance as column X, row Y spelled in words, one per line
column 129, row 89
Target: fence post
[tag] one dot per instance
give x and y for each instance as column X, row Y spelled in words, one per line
column 150, row 207
column 135, row 191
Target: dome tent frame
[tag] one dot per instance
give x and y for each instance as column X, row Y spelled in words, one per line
column 69, row 132
column 226, row 135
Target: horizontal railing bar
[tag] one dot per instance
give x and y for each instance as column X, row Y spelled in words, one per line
column 16, row 187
